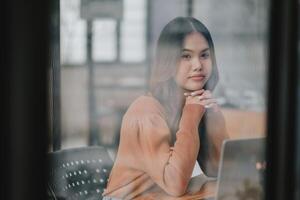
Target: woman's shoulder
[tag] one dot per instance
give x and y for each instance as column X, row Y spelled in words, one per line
column 145, row 105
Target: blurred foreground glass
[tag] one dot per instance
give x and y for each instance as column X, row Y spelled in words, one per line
column 240, row 44
column 98, row 82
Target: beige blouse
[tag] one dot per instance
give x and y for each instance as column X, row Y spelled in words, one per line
column 145, row 161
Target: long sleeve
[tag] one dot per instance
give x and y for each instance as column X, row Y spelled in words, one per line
column 145, row 160
column 169, row 167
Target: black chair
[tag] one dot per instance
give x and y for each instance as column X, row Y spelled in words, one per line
column 78, row 173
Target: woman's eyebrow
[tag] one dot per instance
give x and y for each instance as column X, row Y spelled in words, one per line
column 193, row 51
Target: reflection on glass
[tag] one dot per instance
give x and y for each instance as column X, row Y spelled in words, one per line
column 104, row 40
column 133, row 31
column 238, row 29
column 72, row 33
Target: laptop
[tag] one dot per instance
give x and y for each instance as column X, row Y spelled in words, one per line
column 241, row 171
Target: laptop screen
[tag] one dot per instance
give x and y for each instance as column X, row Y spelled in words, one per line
column 241, row 170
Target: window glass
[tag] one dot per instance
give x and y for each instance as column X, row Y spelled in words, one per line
column 72, row 33
column 239, row 29
column 96, row 93
column 132, row 34
column 133, row 31
column 104, row 40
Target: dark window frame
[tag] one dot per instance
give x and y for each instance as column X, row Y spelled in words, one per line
column 26, row 46
column 282, row 100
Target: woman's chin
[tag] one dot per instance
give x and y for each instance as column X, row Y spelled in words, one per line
column 193, row 88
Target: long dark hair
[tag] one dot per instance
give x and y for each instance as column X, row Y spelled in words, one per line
column 168, row 52
column 162, row 83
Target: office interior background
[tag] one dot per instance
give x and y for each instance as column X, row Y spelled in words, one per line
column 96, row 89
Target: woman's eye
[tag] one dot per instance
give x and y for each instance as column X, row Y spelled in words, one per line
column 186, row 56
column 205, row 55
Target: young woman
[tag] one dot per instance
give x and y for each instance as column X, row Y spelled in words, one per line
column 177, row 124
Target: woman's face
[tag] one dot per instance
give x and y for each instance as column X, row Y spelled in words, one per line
column 195, row 64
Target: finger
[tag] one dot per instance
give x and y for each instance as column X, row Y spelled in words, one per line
column 200, row 97
column 197, row 92
column 207, row 95
column 194, row 93
column 210, row 105
column 208, row 101
column 207, row 92
column 187, row 94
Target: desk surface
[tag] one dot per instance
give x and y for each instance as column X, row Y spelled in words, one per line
column 206, row 190
column 200, row 187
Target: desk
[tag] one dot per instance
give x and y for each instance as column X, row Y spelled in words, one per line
column 200, row 187
column 200, row 190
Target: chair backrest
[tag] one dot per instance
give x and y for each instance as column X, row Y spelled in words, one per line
column 78, row 173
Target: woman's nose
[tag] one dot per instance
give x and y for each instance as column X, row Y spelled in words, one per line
column 197, row 65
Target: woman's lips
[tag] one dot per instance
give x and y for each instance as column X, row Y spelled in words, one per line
column 198, row 77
